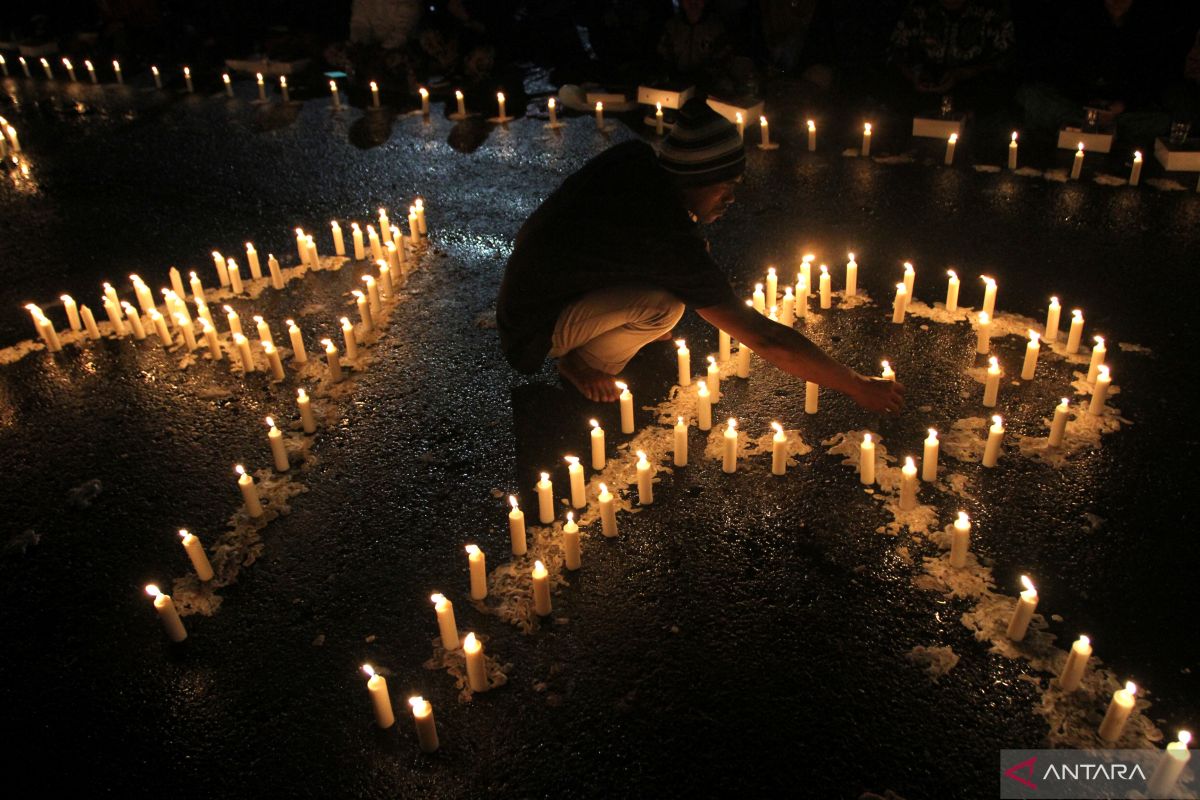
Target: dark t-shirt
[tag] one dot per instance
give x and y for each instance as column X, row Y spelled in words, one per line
column 619, row 220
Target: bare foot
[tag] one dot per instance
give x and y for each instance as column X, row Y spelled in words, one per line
column 593, row 384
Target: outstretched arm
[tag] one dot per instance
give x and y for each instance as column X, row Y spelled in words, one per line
column 791, row 352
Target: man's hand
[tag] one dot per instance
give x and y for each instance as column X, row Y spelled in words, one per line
column 878, row 395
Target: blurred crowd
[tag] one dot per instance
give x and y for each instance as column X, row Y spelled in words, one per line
column 1132, row 65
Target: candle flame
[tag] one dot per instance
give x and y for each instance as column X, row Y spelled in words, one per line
column 738, row 117
column 658, row 108
column 570, row 516
column 472, row 549
column 703, row 388
column 886, row 365
column 994, row 363
column 599, row 106
column 812, row 126
column 572, row 460
column 778, row 428
column 333, row 86
column 1014, row 136
column 1130, row 687
column 963, row 519
column 762, row 121
column 901, row 288
column 1103, row 368
column 239, row 469
column 153, row 69
column 787, row 292
column 1028, row 584
column 1034, row 336
column 952, row 138
column 259, row 76
column 458, row 95
column 824, row 270
column 437, row 598
column 603, row 489
column 257, row 319
column 354, row 226
column 932, row 433
column 952, row 273
column 680, row 420
column 418, row 703
column 595, row 425
column 1081, row 147
column 984, row 319
column 681, row 344
column 989, row 281
column 367, row 668
column 641, row 454
column 470, row 643
column 758, row 288
column 909, row 463
column 67, row 63
column 539, row 569
column 1077, row 314
column 500, row 96
column 329, row 345
column 1184, row 738
column 1099, row 341
column 867, row 128
column 1086, row 641
column 712, row 361
column 545, row 477
column 866, row 438
column 1053, row 300
column 808, row 257
column 153, row 590
column 187, row 72
column 374, row 86
column 997, row 421
column 621, row 385
column 908, row 267
column 271, row 422
column 1137, row 156
column 1065, row 402
column 423, row 92
column 346, row 322
column 512, row 501
column 850, row 256
column 551, row 104
column 732, row 423
column 301, row 394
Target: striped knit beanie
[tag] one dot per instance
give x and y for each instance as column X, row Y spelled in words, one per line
column 703, row 148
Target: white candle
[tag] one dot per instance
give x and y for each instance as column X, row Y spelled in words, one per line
column 608, row 512
column 900, row 304
column 336, row 95
column 91, row 69
column 278, row 450
column 1166, row 774
column 1023, row 613
column 765, row 130
column 117, row 73
column 866, row 145
column 165, row 607
column 195, row 551
column 1058, row 426
column 575, row 474
column 1029, row 366
column 364, row 311
column 991, row 450
column 135, row 321
column 1012, row 152
column 1118, row 712
column 422, row 711
column 778, row 450
column 851, row 276
column 951, row 144
column 445, row 619
column 356, row 235
column 476, row 666
column 812, row 136
column 283, row 89
column 1100, row 391
column 235, row 276
column 381, row 701
column 908, row 485
column 740, row 121
column 571, row 553
column 424, row 101
column 929, row 459
column 888, row 374
column 1077, row 165
column 339, row 244
column 156, row 319
column 264, row 330
column 1076, row 663
column 374, row 243
column 658, row 119
column 866, row 460
column 724, row 345
column 541, row 589
column 772, row 288
column 414, row 226
column 189, row 333
column 826, row 289
column 960, row 541
column 599, row 116
column 703, row 407
column 759, row 299
column 729, row 459
column 645, row 479
column 983, row 329
column 228, row 82
column 1075, row 335
column 187, row 79
column 249, row 492
column 477, row 566
column 72, row 310
column 70, row 69
column 684, row 359
column 989, row 295
column 299, row 353
column 952, row 291
column 626, row 408
column 1050, row 334
column 374, row 94
column 1099, row 351
column 742, row 366
column 252, row 260
column 680, row 458
column 114, row 317
column 332, row 359
column 25, row 65
column 545, row 496
column 308, row 422
column 4, row 66
column 597, row 437
column 462, row 108
column 219, row 264
column 500, row 102
column 243, row 348
column 910, row 278
column 991, row 386
column 1135, row 172
column 157, row 77
column 262, row 87
column 349, row 340
column 516, row 527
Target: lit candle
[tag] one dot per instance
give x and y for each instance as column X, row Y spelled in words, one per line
column 308, row 422
column 500, row 102
column 703, row 407
column 1023, row 613
column 866, row 145
column 72, row 310
column 385, row 225
column 262, row 88
column 349, row 340
column 740, row 121
column 422, row 711
column 516, row 527
column 571, row 554
column 900, row 304
column 339, row 244
column 228, row 82
column 1076, row 663
column 908, row 485
column 336, row 95
column 1118, row 712
column 765, row 131
column 135, row 321
column 991, row 450
column 983, row 330
column 252, row 260
column 1031, row 356
column 222, row 272
column 299, row 353
column 787, row 308
column 541, row 589
column 3, row 66
column 1077, row 166
column 989, row 295
column 165, row 607
column 187, row 79
column 1166, row 774
column 658, row 119
column 929, row 459
column 724, row 345
column 243, row 348
column 991, row 386
column 195, row 552
column 114, row 317
column 117, row 72
column 189, row 333
column 91, row 68
column 545, row 495
column 626, row 408
column 1135, row 172
column 1075, row 335
column 599, row 115
column 249, row 492
column 356, row 234
column 157, row 77
column 951, row 144
column 1012, row 152
column 1098, row 353
column 608, row 512
column 681, row 443
column 156, row 319
column 70, row 69
column 374, row 94
column 264, row 330
column 413, row 226
column 1058, row 425
column 826, row 289
column 866, row 460
column 364, row 311
column 552, row 108
column 575, row 474
column 887, row 373
column 380, row 700
column 645, row 479
column 759, row 299
column 477, row 566
column 462, row 108
column 960, row 541
column 476, row 666
column 235, row 276
column 1052, row 314
column 445, row 619
column 851, row 276
column 812, row 136
column 424, row 101
column 332, row 359
column 278, row 451
column 684, row 359
column 597, row 436
column 714, row 376
column 729, row 461
column 46, row 69
column 1100, row 391
column 25, row 65
column 772, row 291
column 910, row 277
column 374, row 243
column 778, row 450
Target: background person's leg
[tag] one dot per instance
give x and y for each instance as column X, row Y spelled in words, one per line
column 607, row 327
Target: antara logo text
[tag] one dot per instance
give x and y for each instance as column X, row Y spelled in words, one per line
column 1024, row 773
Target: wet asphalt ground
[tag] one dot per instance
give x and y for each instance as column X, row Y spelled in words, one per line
column 743, row 635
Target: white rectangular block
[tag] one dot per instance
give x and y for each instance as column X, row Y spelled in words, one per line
column 1093, row 141
column 1183, row 157
column 669, row 97
column 750, row 108
column 937, row 127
